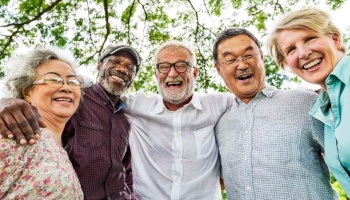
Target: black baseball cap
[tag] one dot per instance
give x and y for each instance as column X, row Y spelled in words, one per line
column 112, row 49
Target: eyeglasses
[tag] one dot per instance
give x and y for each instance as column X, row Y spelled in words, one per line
column 179, row 67
column 116, row 63
column 249, row 58
column 57, row 82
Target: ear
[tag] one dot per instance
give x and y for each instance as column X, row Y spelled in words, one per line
column 195, row 72
column 336, row 38
column 218, row 68
column 99, row 66
column 155, row 73
column 26, row 93
column 261, row 55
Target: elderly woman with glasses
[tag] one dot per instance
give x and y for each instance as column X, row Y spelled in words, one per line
column 45, row 78
column 308, row 42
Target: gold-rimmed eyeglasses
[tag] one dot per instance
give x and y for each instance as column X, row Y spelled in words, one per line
column 58, row 82
column 248, row 58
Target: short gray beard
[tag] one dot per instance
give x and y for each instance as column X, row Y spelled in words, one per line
column 105, row 85
column 110, row 90
column 177, row 96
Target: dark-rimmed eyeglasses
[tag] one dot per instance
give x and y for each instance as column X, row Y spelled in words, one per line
column 249, row 58
column 58, row 82
column 180, row 67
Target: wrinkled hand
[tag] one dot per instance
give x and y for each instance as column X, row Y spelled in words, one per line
column 20, row 120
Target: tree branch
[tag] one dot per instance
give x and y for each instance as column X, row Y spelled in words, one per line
column 19, row 25
column 129, row 19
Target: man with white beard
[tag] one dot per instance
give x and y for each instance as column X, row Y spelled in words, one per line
column 172, row 141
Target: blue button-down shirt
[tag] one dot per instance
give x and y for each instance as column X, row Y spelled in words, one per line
column 271, row 148
column 333, row 109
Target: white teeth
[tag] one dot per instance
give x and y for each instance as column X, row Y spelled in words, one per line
column 63, row 99
column 174, row 83
column 313, row 63
column 117, row 78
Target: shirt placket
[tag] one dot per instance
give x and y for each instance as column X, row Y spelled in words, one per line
column 247, row 160
column 177, row 149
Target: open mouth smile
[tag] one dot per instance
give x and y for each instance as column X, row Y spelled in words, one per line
column 312, row 64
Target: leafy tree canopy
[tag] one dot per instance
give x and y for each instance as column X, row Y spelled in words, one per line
column 86, row 26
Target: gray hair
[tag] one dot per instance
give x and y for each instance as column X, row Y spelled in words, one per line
column 229, row 33
column 177, row 44
column 20, row 71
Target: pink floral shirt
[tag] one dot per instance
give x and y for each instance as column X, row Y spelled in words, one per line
column 40, row 171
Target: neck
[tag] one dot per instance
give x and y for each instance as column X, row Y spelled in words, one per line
column 55, row 130
column 114, row 99
column 174, row 107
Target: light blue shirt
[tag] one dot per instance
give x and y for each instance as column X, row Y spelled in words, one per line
column 333, row 109
column 271, row 148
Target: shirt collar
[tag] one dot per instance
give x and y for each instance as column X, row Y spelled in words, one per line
column 268, row 91
column 340, row 71
column 102, row 94
column 195, row 101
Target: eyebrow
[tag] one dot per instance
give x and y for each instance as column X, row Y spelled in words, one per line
column 226, row 53
column 57, row 74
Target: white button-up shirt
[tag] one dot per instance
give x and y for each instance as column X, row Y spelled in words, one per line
column 174, row 153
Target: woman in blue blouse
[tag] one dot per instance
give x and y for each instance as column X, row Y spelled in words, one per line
column 307, row 41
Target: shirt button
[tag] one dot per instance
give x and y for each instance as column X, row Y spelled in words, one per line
column 329, row 82
column 333, row 105
column 112, row 155
column 246, row 131
column 247, row 188
column 245, row 158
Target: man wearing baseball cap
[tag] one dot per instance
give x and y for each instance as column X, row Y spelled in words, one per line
column 96, row 137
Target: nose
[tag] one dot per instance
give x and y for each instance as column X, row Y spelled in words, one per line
column 304, row 52
column 173, row 73
column 241, row 65
column 65, row 87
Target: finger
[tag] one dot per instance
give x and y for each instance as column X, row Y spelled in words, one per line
column 27, row 125
column 40, row 122
column 4, row 131
column 13, row 128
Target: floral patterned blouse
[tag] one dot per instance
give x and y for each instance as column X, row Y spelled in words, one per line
column 39, row 171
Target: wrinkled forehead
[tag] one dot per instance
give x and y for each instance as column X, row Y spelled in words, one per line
column 173, row 53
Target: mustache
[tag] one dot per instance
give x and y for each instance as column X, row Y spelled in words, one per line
column 116, row 72
column 178, row 78
column 240, row 72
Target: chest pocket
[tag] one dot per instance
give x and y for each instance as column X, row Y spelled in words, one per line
column 205, row 142
column 90, row 134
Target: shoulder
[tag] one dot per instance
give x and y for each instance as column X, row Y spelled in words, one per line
column 216, row 100
column 215, row 96
column 300, row 93
column 141, row 97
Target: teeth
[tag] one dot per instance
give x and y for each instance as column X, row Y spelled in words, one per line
column 63, row 99
column 117, row 78
column 313, row 63
column 174, row 83
column 245, row 76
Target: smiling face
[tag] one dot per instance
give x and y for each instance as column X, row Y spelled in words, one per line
column 54, row 102
column 176, row 88
column 247, row 77
column 311, row 56
column 117, row 72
